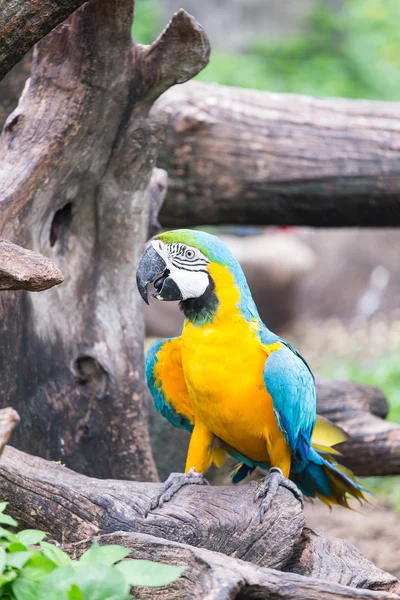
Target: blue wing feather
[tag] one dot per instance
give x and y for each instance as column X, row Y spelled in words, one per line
column 290, row 383
column 156, row 390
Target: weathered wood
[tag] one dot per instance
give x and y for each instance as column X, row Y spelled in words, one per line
column 25, row 22
column 250, row 157
column 213, row 576
column 9, row 418
column 22, row 269
column 339, row 400
column 374, row 447
column 221, row 519
column 77, row 158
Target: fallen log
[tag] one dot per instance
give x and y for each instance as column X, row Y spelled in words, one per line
column 374, row 444
column 22, row 269
column 213, row 576
column 250, row 157
column 25, row 22
column 73, row 507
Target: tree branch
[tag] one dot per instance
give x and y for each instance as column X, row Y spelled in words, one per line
column 374, row 444
column 73, row 507
column 258, row 158
column 214, row 576
column 22, row 269
column 25, row 22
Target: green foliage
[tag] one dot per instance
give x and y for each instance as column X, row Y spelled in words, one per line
column 147, row 19
column 353, row 53
column 101, row 573
column 384, row 373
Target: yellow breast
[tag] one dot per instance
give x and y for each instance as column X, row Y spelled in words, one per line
column 223, row 364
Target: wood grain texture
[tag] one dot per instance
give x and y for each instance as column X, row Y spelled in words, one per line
column 22, row 269
column 224, row 520
column 24, row 22
column 77, row 160
column 211, row 575
column 250, row 157
column 374, row 444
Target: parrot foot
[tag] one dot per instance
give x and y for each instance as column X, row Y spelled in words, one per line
column 268, row 488
column 172, row 485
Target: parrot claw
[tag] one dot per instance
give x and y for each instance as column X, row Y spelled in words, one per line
column 172, row 485
column 267, row 489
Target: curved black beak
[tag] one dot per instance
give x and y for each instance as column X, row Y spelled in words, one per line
column 151, row 267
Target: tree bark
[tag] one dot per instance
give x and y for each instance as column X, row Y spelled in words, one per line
column 213, row 519
column 213, row 576
column 9, row 418
column 76, row 173
column 25, row 22
column 374, row 444
column 249, row 157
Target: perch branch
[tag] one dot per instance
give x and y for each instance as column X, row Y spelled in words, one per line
column 22, row 269
column 73, row 507
column 25, row 22
column 214, row 576
column 250, row 157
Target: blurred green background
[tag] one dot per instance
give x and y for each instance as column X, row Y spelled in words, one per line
column 353, row 52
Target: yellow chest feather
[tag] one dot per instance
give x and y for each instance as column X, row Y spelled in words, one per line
column 223, row 364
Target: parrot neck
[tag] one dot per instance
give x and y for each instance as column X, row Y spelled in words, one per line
column 202, row 310
column 227, row 297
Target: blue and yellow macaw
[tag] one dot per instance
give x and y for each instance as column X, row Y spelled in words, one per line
column 236, row 386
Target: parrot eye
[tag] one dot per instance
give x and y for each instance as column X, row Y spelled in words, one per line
column 189, row 253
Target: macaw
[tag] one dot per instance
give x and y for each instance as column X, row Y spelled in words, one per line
column 237, row 387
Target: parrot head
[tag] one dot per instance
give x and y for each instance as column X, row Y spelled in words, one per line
column 176, row 263
column 196, row 269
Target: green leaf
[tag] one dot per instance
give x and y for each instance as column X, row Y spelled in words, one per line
column 16, row 547
column 55, row 554
column 31, row 536
column 95, row 582
column 75, row 593
column 18, row 559
column 3, row 506
column 8, row 535
column 107, row 555
column 101, row 582
column 7, row 577
column 7, row 520
column 57, row 584
column 148, row 573
column 3, row 557
column 38, row 567
column 24, row 589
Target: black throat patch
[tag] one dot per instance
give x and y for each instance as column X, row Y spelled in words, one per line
column 201, row 310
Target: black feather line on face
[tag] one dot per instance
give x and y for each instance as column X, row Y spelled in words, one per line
column 203, row 309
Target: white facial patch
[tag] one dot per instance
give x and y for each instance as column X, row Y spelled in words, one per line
column 187, row 267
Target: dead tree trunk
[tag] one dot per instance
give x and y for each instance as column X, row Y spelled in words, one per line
column 77, row 158
column 244, row 156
